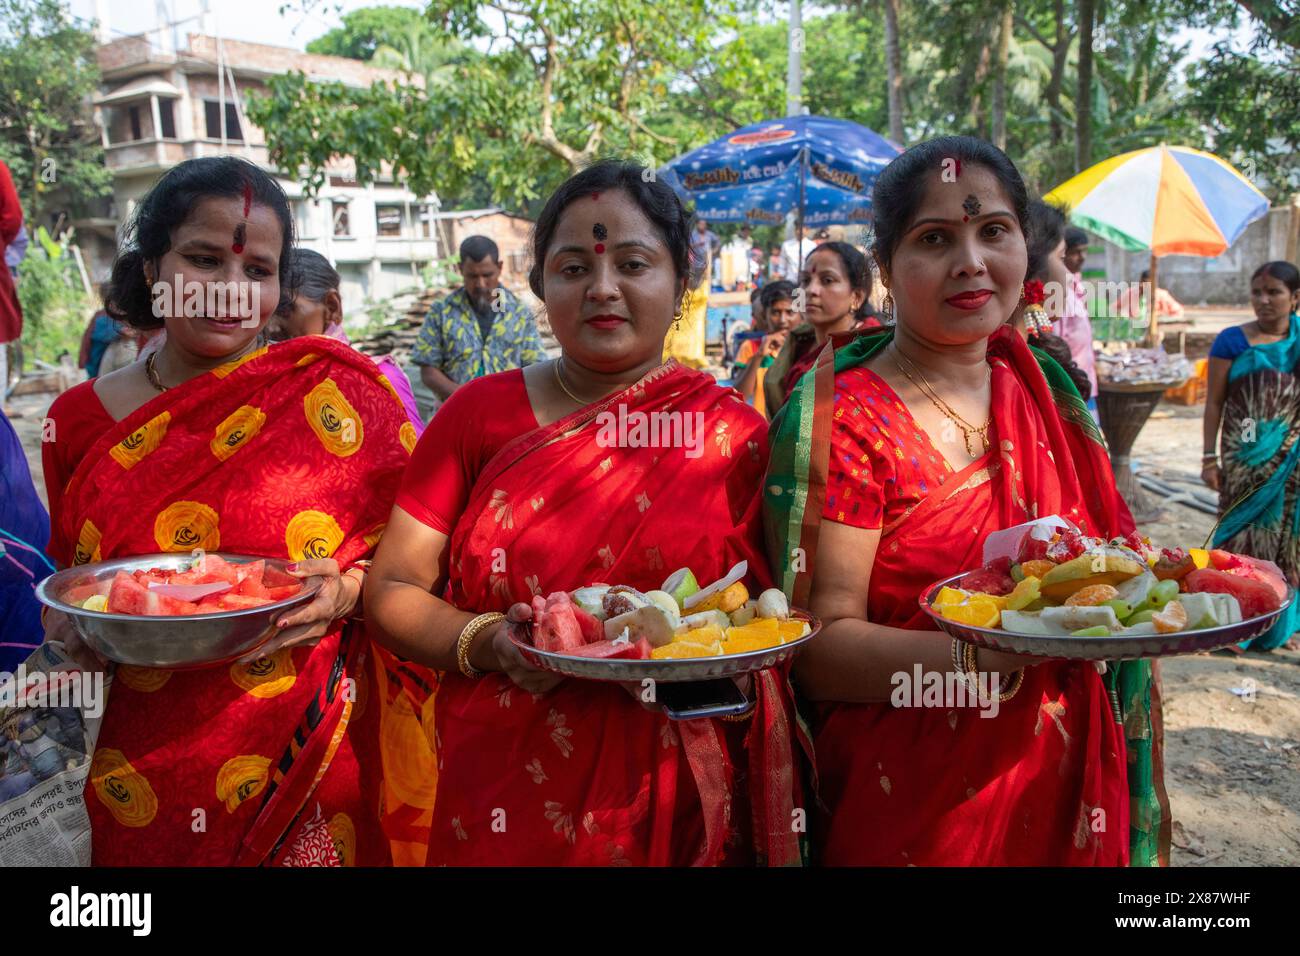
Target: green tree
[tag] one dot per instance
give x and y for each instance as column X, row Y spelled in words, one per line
column 563, row 84
column 47, row 136
column 1250, row 101
column 364, row 31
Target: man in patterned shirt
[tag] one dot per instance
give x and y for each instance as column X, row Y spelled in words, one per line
column 478, row 329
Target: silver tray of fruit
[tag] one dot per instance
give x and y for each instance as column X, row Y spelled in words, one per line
column 678, row 633
column 1113, row 604
column 176, row 611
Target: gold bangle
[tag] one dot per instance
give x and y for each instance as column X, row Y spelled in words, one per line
column 972, row 670
column 465, row 641
column 358, row 609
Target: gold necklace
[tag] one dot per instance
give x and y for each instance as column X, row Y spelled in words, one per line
column 965, row 427
column 559, row 379
column 151, row 373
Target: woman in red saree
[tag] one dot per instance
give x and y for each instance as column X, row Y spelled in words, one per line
column 513, row 492
column 833, row 287
column 893, row 461
column 294, row 451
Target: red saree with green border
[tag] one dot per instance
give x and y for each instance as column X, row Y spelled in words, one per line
column 1050, row 780
column 293, row 452
column 584, row 775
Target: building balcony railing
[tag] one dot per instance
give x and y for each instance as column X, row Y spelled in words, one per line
column 165, row 153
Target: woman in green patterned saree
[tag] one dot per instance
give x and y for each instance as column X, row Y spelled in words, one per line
column 1255, row 395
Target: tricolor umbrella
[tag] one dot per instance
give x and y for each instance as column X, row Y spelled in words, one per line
column 1167, row 199
column 821, row 167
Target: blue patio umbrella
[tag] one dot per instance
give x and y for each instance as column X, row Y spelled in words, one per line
column 821, row 168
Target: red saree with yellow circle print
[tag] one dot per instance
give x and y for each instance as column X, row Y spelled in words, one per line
column 293, row 452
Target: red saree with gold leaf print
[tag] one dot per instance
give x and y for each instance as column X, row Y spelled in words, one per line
column 583, row 775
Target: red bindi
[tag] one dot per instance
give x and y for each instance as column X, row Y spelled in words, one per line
column 595, row 196
column 600, row 248
column 237, row 246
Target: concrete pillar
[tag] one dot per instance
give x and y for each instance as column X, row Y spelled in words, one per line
column 157, row 128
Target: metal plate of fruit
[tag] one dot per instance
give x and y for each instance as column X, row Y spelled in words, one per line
column 165, row 611
column 1095, row 639
column 679, row 633
column 690, row 669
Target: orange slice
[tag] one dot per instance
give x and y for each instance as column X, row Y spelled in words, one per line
column 791, row 630
column 745, row 644
column 678, row 650
column 1172, row 618
column 979, row 611
column 1092, row 595
column 706, row 635
column 1036, row 568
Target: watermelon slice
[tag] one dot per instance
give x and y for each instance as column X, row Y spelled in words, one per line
column 128, row 596
column 213, row 567
column 174, row 607
column 158, row 592
column 607, row 650
column 1255, row 597
column 78, row 593
column 152, row 576
column 1225, row 560
column 555, row 627
column 1265, row 572
column 993, row 578
column 593, row 631
column 273, row 577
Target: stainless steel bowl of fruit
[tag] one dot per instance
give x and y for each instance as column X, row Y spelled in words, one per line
column 176, row 611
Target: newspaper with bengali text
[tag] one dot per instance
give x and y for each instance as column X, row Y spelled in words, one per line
column 48, row 728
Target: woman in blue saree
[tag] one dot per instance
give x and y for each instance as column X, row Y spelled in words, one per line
column 1252, row 418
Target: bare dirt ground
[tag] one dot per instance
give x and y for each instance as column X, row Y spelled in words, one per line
column 1232, row 758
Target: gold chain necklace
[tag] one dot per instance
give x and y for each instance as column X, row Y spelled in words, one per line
column 151, row 373
column 559, row 380
column 926, row 389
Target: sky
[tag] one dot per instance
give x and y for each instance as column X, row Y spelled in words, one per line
column 249, row 20
column 238, row 19
column 304, row 20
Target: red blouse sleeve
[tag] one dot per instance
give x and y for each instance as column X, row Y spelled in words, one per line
column 858, row 473
column 76, row 420
column 473, row 425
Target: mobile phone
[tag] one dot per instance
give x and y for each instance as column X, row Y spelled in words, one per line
column 696, row 699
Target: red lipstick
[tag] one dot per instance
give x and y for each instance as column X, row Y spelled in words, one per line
column 970, row 300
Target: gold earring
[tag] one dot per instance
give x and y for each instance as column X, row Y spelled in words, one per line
column 887, row 306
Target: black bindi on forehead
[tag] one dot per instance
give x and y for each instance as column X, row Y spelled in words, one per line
column 971, row 205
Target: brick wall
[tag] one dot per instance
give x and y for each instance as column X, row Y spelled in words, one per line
column 277, row 59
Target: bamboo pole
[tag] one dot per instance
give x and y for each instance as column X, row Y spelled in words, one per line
column 1152, row 331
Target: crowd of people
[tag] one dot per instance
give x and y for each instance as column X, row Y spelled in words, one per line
column 837, row 444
